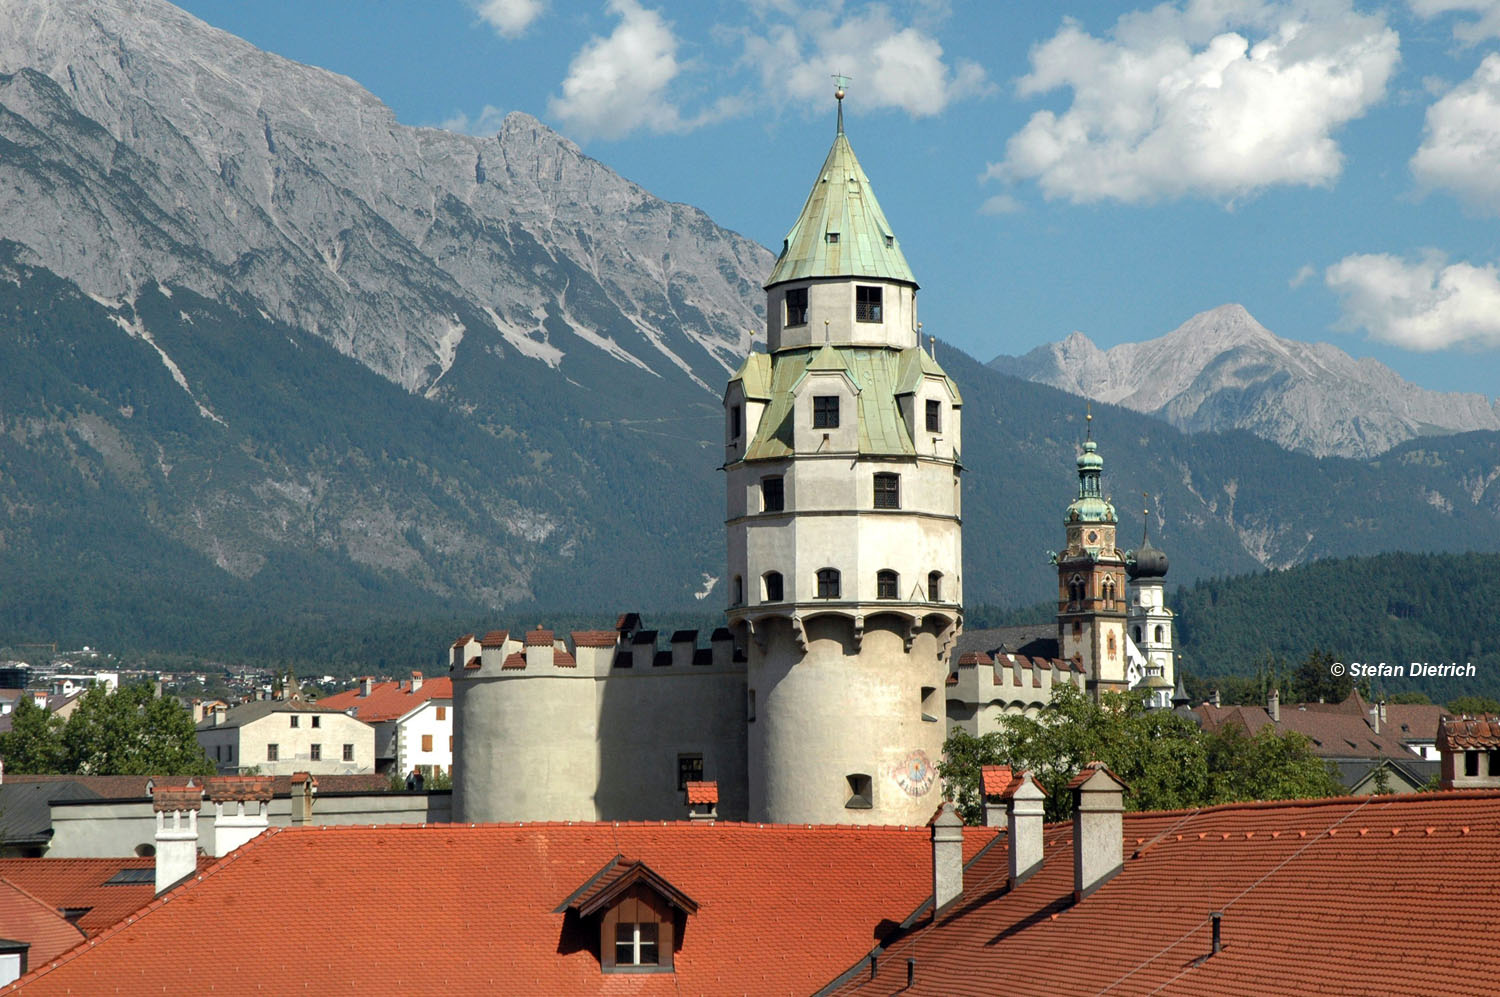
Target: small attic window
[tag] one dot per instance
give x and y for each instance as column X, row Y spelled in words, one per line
column 890, row 241
column 861, row 792
column 833, row 238
column 640, row 916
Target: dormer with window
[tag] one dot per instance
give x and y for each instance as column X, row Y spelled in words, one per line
column 636, row 917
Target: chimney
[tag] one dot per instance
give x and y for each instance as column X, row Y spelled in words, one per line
column 1025, row 827
column 947, row 858
column 1098, row 828
column 240, row 803
column 176, row 833
column 1273, row 705
column 218, row 714
column 366, row 684
column 416, row 681
column 994, row 781
column 702, row 800
column 304, row 788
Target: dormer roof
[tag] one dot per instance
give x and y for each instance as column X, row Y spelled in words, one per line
column 841, row 231
column 618, row 876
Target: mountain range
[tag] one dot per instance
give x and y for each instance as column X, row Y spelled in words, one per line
column 270, row 358
column 1223, row 370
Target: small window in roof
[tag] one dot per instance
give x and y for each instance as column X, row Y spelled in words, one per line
column 129, row 876
column 890, row 241
column 833, row 238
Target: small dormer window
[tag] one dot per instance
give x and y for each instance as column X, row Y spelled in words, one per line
column 833, row 238
column 890, row 241
column 639, row 916
column 825, row 411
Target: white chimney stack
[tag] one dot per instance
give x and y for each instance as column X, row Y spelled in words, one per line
column 245, row 798
column 416, row 681
column 1025, row 827
column 947, row 858
column 1273, row 706
column 1098, row 828
column 176, row 833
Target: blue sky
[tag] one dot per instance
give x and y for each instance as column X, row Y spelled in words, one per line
column 1333, row 166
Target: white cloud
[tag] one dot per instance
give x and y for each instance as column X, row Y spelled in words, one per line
column 893, row 65
column 1302, row 276
column 1000, row 204
column 487, row 122
column 1215, row 97
column 510, row 18
column 1485, row 25
column 1460, row 147
column 1426, row 304
column 620, row 84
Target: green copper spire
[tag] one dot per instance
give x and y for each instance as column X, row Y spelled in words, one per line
column 841, row 232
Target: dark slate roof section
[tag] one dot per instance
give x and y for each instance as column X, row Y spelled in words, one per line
column 1034, row 640
column 644, row 637
column 25, row 809
column 684, row 637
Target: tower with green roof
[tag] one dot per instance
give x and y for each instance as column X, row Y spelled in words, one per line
column 1091, row 607
column 842, row 446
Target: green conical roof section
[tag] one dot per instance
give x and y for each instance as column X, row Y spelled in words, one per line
column 841, row 232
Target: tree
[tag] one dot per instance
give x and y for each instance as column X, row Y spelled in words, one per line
column 1473, row 705
column 1314, row 681
column 131, row 732
column 1409, row 699
column 1265, row 766
column 1163, row 757
column 33, row 744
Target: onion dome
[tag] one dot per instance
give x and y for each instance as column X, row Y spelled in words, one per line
column 1146, row 562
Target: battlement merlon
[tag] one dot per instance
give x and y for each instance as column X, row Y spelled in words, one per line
column 592, row 654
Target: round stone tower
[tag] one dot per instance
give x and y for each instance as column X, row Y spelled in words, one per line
column 843, row 523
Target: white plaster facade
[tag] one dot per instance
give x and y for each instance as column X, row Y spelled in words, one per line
column 277, row 737
column 422, row 738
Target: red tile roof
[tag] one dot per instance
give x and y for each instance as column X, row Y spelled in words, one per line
column 463, row 640
column 1467, row 733
column 562, row 659
column 971, row 658
column 1334, row 733
column 473, row 909
column 473, row 663
column 495, row 638
column 595, row 638
column 389, row 700
column 24, row 918
column 1318, row 896
column 84, row 885
column 224, row 788
column 996, row 779
column 514, row 660
column 175, row 798
column 539, row 638
column 702, row 792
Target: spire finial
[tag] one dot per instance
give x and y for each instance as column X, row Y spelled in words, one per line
column 840, row 81
column 1146, row 518
column 1088, row 420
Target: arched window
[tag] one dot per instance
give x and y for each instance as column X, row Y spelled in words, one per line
column 828, row 583
column 1158, row 633
column 887, row 584
column 935, row 586
column 1107, row 589
column 1076, row 590
column 773, row 588
column 1111, row 643
column 1137, row 633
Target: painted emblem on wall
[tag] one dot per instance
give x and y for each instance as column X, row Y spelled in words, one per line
column 915, row 774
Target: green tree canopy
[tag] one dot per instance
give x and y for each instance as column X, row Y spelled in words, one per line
column 1163, row 757
column 33, row 745
column 128, row 732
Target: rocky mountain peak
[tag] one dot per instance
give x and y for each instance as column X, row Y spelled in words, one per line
column 1222, row 369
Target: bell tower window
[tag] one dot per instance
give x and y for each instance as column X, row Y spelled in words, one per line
column 867, row 302
column 796, row 306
